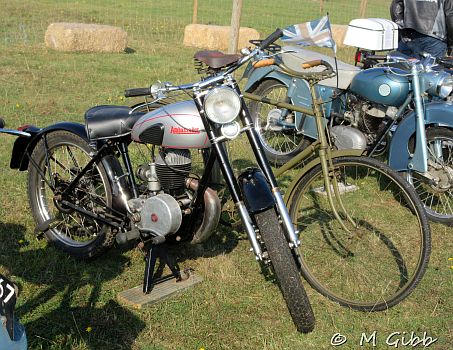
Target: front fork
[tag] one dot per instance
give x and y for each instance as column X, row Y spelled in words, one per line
column 242, row 209
column 263, row 163
column 419, row 161
column 233, row 186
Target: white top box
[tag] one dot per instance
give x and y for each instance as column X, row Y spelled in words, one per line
column 372, row 34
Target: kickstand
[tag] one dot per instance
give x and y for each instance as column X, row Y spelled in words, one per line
column 160, row 251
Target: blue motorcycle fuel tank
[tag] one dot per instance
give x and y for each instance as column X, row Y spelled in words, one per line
column 381, row 86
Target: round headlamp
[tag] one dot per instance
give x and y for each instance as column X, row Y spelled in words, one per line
column 445, row 87
column 439, row 84
column 222, row 105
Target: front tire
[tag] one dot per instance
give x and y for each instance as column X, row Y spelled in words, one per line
column 279, row 144
column 376, row 263
column 285, row 270
column 72, row 232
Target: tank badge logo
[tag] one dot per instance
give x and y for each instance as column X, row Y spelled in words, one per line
column 384, row 90
column 184, row 131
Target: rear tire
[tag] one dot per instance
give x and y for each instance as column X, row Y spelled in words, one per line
column 279, row 146
column 285, row 270
column 73, row 232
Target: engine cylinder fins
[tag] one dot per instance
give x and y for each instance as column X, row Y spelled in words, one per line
column 172, row 168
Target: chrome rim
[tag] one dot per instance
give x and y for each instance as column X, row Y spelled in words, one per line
column 71, row 227
column 436, row 191
column 267, row 119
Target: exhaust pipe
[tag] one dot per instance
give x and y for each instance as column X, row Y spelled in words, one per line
column 212, row 211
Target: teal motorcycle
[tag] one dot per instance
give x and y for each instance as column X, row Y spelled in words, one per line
column 395, row 110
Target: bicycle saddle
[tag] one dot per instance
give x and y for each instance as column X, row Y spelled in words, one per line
column 216, row 59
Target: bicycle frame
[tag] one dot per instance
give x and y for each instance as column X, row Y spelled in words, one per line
column 321, row 148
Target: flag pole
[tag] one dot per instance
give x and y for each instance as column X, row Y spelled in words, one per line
column 334, row 51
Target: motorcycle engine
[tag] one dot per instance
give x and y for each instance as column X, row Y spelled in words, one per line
column 158, row 215
column 159, row 211
column 172, row 167
column 346, row 137
column 365, row 116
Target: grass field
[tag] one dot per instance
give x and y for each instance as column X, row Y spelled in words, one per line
column 68, row 304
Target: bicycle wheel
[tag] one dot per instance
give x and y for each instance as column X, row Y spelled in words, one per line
column 436, row 192
column 285, row 270
column 377, row 262
column 77, row 234
column 275, row 126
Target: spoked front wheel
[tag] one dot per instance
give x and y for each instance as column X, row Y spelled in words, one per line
column 382, row 254
column 436, row 187
column 56, row 160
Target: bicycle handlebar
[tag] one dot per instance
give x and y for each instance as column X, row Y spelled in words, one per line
column 156, row 89
column 311, row 64
column 263, row 63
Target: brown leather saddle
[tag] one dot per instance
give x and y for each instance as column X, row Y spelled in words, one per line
column 216, row 59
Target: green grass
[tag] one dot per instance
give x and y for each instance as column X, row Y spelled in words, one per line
column 235, row 307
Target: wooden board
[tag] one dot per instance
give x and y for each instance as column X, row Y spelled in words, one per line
column 135, row 298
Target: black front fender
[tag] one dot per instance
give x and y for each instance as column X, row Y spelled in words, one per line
column 256, row 191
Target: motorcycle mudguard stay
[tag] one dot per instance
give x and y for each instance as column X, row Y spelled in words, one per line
column 298, row 92
column 436, row 113
column 256, row 191
column 25, row 145
column 289, row 193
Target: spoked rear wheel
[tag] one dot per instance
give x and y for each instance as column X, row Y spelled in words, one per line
column 285, row 270
column 378, row 260
column 276, row 126
column 77, row 234
column 436, row 192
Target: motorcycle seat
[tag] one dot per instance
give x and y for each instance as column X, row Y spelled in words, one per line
column 108, row 121
column 216, row 59
column 293, row 60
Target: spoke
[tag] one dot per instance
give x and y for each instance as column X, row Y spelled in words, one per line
column 65, row 169
column 72, row 157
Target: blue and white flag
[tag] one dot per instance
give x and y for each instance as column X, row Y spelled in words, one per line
column 314, row 33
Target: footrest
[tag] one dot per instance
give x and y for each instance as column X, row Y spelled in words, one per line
column 135, row 298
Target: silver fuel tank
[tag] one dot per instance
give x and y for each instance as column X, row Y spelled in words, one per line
column 177, row 125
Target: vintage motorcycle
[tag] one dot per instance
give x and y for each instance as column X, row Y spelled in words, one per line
column 382, row 110
column 83, row 198
column 12, row 333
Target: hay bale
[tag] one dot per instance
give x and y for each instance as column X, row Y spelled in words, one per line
column 216, row 37
column 82, row 37
column 338, row 33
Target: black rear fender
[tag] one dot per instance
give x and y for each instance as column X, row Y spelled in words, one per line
column 24, row 146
